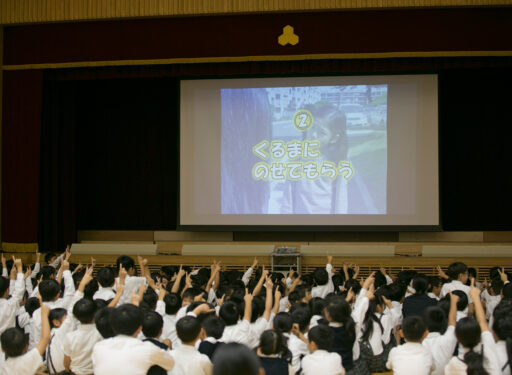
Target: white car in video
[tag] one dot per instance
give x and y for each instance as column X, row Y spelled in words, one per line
column 355, row 115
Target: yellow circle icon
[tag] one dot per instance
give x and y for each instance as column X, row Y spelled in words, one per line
column 302, row 120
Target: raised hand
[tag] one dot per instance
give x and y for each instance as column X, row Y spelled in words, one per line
column 254, row 263
column 441, row 273
column 503, row 275
column 474, row 292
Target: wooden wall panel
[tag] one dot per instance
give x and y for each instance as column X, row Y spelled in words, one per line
column 17, row 11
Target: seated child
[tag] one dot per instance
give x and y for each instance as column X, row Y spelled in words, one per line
column 152, row 329
column 236, row 359
column 274, row 355
column 214, row 329
column 320, row 361
column 411, row 357
column 9, row 306
column 106, row 279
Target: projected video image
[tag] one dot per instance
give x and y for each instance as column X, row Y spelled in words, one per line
column 304, row 150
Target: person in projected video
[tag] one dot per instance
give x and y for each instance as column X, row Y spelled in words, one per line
column 324, row 195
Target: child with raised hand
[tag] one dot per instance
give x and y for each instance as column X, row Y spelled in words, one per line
column 474, row 358
column 320, row 361
column 214, row 329
column 15, row 345
column 9, row 306
column 411, row 357
column 274, row 354
column 236, row 330
column 152, row 329
column 260, row 320
column 323, row 280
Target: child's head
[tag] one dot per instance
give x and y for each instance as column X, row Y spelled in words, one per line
column 302, row 317
column 320, row 276
column 468, row 334
column 397, row 291
column 189, row 330
column 127, row 263
column 435, row 319
column 50, row 258
column 150, row 297
column 57, row 317
column 126, row 320
column 49, row 290
column 84, row 310
column 272, row 343
column 283, row 322
column 190, row 294
column 420, row 284
column 4, row 287
column 91, row 288
column 458, row 271
column 317, row 305
column 258, row 307
column 106, row 277
column 32, row 305
column 435, row 285
column 213, row 327
column 354, row 285
column 14, row 342
column 496, row 287
column 462, row 303
column 235, row 359
column 47, row 273
column 152, row 325
column 229, row 313
column 320, row 337
column 414, row 329
column 172, row 303
column 102, row 322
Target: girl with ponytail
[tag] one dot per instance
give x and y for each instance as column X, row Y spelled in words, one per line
column 275, row 358
column 477, row 350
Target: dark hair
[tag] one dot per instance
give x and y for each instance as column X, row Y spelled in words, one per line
column 413, row 328
column 56, row 314
column 4, row 285
column 172, row 303
column 258, row 307
column 32, row 305
column 302, row 317
column 126, row 319
column 102, row 322
column 91, row 288
column 354, row 284
column 420, row 284
column 434, row 282
column 320, row 276
column 106, row 277
column 503, row 309
column 317, row 305
column 468, row 334
column 435, row 319
column 462, row 303
column 406, row 276
column 496, row 286
column 456, row 269
column 213, row 326
column 48, row 257
column 14, row 341
column 370, row 318
column 152, row 324
column 503, row 329
column 340, row 312
column 283, row 322
column 235, row 359
column 46, row 272
column 192, row 293
column 494, row 273
column 507, row 291
column 397, row 291
column 273, row 342
column 151, row 298
column 126, row 261
column 298, row 294
column 229, row 313
column 84, row 310
column 472, row 272
column 49, row 290
column 380, row 280
column 322, row 336
column 188, row 329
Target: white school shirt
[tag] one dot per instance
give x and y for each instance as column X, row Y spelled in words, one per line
column 388, row 320
column 441, row 347
column 456, row 366
column 188, row 361
column 410, row 358
column 78, row 346
column 455, row 285
column 247, row 276
column 432, row 295
column 299, row 349
column 9, row 307
column 55, row 350
column 501, row 351
column 66, row 302
column 490, row 303
column 104, row 293
column 26, row 364
column 323, row 290
column 237, row 333
column 131, row 283
column 255, row 331
column 128, row 356
column 314, row 321
column 322, row 362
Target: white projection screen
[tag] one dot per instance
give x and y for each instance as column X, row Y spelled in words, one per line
column 309, row 152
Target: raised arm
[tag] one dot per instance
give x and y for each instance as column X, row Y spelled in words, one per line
column 45, row 329
column 452, row 315
column 263, row 277
column 248, row 306
column 247, row 275
column 176, row 286
column 268, row 301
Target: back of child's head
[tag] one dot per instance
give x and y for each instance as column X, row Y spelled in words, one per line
column 126, row 319
column 354, row 285
column 47, row 273
column 503, row 329
column 380, row 280
column 420, row 284
column 152, row 324
column 299, row 305
column 14, row 342
column 434, row 282
column 56, row 315
column 102, row 322
column 456, row 269
column 435, row 319
column 468, row 334
column 370, row 318
column 462, row 303
column 274, row 342
column 406, row 276
column 497, row 286
column 213, row 326
column 4, row 286
column 322, row 336
column 258, row 307
column 320, row 276
column 106, row 277
column 188, row 329
column 340, row 312
column 229, row 313
column 91, row 288
column 503, row 309
column 48, row 257
column 191, row 293
column 472, row 272
column 317, row 305
column 32, row 305
column 127, row 262
column 413, row 328
column 297, row 295
column 150, row 297
column 84, row 310
column 49, row 290
column 235, row 359
column 397, row 291
column 494, row 273
column 302, row 317
column 283, row 322
column 172, row 303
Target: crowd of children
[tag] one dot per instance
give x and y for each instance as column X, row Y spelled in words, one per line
column 59, row 319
